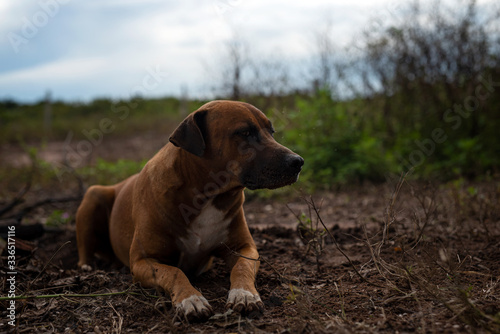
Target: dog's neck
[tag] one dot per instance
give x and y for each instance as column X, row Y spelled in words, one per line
column 215, row 182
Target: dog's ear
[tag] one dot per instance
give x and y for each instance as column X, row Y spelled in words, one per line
column 190, row 134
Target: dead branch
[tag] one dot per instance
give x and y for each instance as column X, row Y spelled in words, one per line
column 76, row 295
column 19, row 198
column 19, row 216
column 46, row 265
column 390, row 212
column 429, row 210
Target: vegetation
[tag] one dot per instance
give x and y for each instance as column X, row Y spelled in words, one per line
column 420, row 95
column 27, row 123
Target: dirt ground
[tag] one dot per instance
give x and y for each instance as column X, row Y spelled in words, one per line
column 422, row 259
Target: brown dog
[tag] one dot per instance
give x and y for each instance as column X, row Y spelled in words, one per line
column 185, row 206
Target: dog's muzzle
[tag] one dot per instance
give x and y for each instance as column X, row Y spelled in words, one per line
column 279, row 171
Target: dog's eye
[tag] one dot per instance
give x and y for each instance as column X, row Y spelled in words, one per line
column 244, row 133
column 247, row 133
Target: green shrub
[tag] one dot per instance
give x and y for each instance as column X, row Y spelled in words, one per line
column 332, row 139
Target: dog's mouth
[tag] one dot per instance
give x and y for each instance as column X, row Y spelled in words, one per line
column 273, row 178
column 271, row 184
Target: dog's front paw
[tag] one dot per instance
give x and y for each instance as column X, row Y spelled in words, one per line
column 243, row 301
column 194, row 308
column 85, row 267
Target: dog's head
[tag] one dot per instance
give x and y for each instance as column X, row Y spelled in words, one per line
column 237, row 138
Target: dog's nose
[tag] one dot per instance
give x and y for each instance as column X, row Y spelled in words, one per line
column 295, row 162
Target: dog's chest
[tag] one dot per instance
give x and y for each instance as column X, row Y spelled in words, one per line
column 206, row 232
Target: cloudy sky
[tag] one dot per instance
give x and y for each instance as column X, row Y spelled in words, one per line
column 81, row 50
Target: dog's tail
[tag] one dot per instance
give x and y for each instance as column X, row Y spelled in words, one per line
column 92, row 224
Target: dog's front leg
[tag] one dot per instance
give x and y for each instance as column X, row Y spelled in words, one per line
column 188, row 301
column 244, row 264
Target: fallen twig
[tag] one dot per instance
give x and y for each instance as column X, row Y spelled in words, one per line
column 315, row 209
column 79, row 295
column 48, row 262
column 19, row 198
column 18, row 216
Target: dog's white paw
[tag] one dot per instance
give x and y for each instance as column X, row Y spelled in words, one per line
column 194, row 308
column 243, row 301
column 86, row 267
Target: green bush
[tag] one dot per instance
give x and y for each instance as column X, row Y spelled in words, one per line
column 332, row 139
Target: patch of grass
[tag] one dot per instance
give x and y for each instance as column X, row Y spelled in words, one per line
column 58, row 218
column 110, row 172
column 25, row 122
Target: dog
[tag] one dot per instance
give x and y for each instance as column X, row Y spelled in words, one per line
column 167, row 222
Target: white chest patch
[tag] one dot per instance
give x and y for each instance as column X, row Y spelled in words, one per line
column 206, row 232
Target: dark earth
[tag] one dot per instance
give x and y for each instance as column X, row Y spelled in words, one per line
column 398, row 257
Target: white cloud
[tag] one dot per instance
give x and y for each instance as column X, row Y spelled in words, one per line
column 61, row 70
column 103, row 47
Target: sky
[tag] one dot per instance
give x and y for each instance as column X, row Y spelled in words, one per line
column 81, row 50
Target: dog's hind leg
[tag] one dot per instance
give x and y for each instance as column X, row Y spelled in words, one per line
column 92, row 224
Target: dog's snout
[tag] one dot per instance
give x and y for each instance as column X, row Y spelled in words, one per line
column 295, row 162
